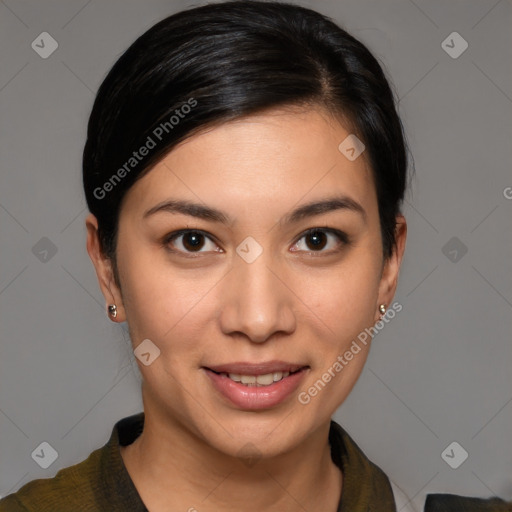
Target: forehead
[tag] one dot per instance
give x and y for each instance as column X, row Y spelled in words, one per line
column 265, row 162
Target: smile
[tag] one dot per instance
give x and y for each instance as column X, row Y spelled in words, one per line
column 257, row 380
column 256, row 386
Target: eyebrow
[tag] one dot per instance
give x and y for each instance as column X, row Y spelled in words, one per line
column 208, row 213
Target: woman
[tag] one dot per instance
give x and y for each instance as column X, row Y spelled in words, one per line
column 244, row 169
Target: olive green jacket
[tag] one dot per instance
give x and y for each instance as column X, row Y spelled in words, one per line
column 101, row 482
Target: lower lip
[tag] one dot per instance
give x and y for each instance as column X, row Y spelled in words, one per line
column 256, row 397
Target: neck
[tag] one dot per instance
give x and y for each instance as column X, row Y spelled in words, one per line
column 169, row 464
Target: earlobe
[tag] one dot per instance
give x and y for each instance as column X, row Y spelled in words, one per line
column 104, row 272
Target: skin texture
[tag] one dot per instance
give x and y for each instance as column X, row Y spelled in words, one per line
column 294, row 303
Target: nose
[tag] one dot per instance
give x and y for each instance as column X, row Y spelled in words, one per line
column 257, row 302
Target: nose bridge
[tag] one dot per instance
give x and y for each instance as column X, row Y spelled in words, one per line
column 255, row 301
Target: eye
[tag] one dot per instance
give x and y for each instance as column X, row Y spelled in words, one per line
column 189, row 241
column 316, row 239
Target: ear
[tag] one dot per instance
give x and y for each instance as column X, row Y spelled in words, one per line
column 391, row 268
column 104, row 269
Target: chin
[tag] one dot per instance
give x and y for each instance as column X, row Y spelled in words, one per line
column 258, row 434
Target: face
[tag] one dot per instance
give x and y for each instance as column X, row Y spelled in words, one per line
column 253, row 297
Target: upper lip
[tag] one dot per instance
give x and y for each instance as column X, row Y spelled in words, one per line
column 246, row 368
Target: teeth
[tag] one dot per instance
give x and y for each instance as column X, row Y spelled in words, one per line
column 260, row 380
column 265, row 380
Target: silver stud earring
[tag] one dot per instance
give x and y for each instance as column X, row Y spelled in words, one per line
column 112, row 310
column 382, row 308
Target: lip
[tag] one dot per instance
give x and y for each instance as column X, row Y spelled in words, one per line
column 262, row 368
column 256, row 398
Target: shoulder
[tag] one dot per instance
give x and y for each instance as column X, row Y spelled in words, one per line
column 454, row 503
column 88, row 486
column 75, row 483
column 449, row 503
column 347, row 455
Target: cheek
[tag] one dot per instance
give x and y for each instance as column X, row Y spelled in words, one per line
column 158, row 306
column 152, row 305
column 344, row 297
column 343, row 304
column 168, row 306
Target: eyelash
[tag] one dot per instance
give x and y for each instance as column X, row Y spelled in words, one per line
column 342, row 237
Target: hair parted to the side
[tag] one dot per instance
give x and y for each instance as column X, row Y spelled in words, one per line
column 225, row 61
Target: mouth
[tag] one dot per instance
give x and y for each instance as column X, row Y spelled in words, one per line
column 260, row 374
column 256, row 386
column 257, row 380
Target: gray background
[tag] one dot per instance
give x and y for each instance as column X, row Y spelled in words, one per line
column 439, row 372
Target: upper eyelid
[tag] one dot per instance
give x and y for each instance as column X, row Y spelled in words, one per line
column 176, row 234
